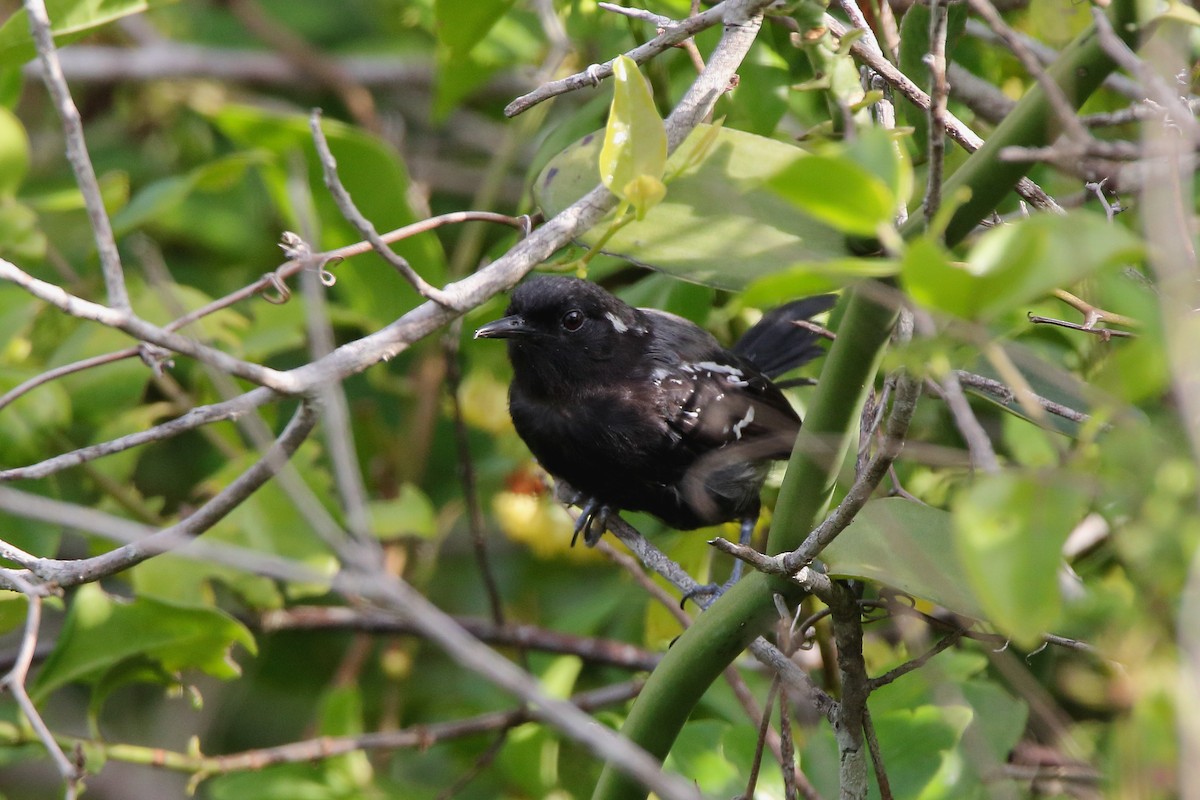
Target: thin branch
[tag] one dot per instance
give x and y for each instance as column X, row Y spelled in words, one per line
column 14, row 680
column 140, row 329
column 274, row 280
column 983, row 455
column 591, row 649
column 958, row 131
column 363, row 225
column 1103, row 333
column 791, row 673
column 657, row 20
column 1005, row 395
column 77, row 154
column 593, row 75
column 881, row 778
column 197, row 417
column 945, row 643
column 73, row 573
column 939, row 93
column 416, row 737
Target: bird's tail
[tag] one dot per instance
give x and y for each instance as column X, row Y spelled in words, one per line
column 775, row 345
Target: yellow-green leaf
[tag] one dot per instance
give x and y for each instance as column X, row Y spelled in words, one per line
column 635, row 141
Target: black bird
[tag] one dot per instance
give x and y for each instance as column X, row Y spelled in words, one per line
column 639, row 409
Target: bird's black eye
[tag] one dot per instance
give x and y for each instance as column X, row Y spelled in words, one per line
column 573, row 320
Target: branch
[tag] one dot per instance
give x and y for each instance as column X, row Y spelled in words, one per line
column 276, row 281
column 956, row 128
column 14, row 680
column 72, row 572
column 420, row 737
column 591, row 77
column 939, row 93
column 363, row 225
column 593, row 650
column 140, row 329
column 197, row 417
column 77, row 154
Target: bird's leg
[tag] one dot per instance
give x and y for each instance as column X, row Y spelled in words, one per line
column 744, row 540
column 718, row 589
column 592, row 522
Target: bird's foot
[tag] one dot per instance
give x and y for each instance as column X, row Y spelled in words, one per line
column 592, row 522
column 718, row 589
column 713, row 590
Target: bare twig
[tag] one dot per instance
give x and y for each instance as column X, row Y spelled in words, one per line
column 983, row 455
column 466, row 471
column 363, row 225
column 1006, row 395
column 593, row 650
column 957, row 130
column 77, row 154
column 591, row 77
column 14, row 680
column 1103, row 333
column 197, row 417
column 272, row 280
column 944, row 643
column 939, row 93
column 73, row 573
column 140, row 329
column 881, row 778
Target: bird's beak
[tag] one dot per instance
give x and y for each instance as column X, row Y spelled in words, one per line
column 505, row 328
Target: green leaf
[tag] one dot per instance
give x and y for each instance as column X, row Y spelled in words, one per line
column 164, row 196
column 21, row 239
column 69, row 19
column 908, row 546
column 14, row 153
column 915, row 743
column 1014, row 264
column 716, row 226
column 634, row 155
column 838, row 192
column 1009, row 531
column 698, row 756
column 408, row 514
column 102, row 633
column 802, row 280
column 462, row 24
column 30, row 426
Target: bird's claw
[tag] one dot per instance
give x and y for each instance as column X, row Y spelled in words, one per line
column 592, row 522
column 703, row 590
column 718, row 589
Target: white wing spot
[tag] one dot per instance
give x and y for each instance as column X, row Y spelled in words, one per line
column 746, row 420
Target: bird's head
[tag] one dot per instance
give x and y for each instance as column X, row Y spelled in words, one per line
column 561, row 331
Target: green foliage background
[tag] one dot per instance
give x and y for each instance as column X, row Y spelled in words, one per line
column 201, row 173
